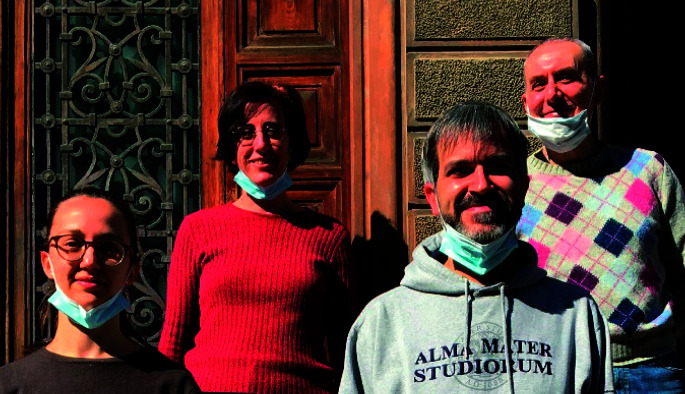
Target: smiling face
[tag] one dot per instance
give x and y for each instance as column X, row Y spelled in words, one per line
column 264, row 158
column 556, row 83
column 479, row 189
column 87, row 281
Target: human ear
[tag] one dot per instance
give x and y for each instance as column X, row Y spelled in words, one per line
column 525, row 102
column 429, row 191
column 133, row 274
column 47, row 264
column 600, row 88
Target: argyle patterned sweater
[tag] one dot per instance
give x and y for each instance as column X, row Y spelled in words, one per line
column 614, row 225
column 256, row 301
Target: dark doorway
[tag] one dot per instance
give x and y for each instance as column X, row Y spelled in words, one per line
column 639, row 58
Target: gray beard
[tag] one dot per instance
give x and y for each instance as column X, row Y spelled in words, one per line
column 483, row 236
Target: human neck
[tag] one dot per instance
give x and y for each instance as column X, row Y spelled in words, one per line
column 498, row 274
column 106, row 341
column 454, row 267
column 585, row 150
column 280, row 205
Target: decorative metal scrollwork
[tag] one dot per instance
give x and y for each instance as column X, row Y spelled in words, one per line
column 115, row 88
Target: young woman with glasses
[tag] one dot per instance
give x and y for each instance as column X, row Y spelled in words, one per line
column 258, row 296
column 91, row 256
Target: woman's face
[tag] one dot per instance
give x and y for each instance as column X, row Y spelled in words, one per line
column 262, row 152
column 88, row 281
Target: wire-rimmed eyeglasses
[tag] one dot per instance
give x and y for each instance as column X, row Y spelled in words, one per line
column 246, row 134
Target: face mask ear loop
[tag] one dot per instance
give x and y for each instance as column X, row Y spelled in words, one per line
column 128, row 275
column 592, row 97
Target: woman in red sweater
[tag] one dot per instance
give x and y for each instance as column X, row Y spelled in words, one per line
column 258, row 295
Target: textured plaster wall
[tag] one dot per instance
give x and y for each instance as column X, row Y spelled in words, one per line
column 467, row 50
column 445, row 82
column 490, row 19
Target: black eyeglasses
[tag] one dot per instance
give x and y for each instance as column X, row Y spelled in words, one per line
column 72, row 248
column 273, row 131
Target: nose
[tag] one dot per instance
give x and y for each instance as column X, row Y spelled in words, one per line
column 551, row 91
column 480, row 182
column 261, row 141
column 89, row 258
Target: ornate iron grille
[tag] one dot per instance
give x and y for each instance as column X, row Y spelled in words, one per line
column 116, row 88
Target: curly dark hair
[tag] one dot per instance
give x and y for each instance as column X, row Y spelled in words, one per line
column 233, row 115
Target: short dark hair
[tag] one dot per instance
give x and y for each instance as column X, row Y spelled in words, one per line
column 118, row 203
column 232, row 116
column 479, row 121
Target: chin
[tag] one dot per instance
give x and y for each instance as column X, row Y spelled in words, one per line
column 89, row 300
column 483, row 233
column 262, row 178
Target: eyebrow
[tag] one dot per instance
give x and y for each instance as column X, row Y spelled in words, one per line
column 494, row 158
column 80, row 234
column 565, row 70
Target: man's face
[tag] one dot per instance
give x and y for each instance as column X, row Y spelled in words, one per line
column 556, row 84
column 479, row 188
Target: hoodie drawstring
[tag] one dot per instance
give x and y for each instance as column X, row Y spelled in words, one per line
column 467, row 330
column 507, row 339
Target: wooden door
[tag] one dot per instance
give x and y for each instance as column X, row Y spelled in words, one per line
column 302, row 43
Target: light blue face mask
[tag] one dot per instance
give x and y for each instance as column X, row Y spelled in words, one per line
column 473, row 255
column 89, row 319
column 263, row 193
column 560, row 134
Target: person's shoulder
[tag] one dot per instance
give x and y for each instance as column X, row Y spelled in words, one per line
column 386, row 306
column 311, row 218
column 150, row 359
column 209, row 218
column 628, row 156
column 552, row 292
column 29, row 361
column 205, row 214
column 152, row 369
column 15, row 375
column 564, row 289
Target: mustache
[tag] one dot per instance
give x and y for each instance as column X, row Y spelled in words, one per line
column 495, row 201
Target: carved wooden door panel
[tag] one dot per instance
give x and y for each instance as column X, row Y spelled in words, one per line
column 302, row 43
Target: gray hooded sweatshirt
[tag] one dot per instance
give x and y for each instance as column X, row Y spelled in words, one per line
column 440, row 333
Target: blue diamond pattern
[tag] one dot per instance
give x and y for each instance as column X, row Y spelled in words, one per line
column 583, row 278
column 613, row 237
column 563, row 208
column 529, row 219
column 627, row 316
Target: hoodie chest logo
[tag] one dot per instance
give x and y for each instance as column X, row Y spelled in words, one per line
column 482, row 365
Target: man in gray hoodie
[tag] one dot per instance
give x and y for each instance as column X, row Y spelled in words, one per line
column 473, row 311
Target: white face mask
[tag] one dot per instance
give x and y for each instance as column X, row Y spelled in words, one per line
column 560, row 134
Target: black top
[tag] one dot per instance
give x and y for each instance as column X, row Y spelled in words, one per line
column 145, row 371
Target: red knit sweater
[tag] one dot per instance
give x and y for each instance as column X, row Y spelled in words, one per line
column 255, row 300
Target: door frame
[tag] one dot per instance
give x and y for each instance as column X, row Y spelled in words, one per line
column 373, row 143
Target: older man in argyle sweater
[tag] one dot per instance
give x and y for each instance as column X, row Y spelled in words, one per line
column 606, row 218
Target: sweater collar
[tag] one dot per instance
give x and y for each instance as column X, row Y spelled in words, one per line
column 591, row 165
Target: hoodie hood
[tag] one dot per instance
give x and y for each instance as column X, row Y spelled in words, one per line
column 426, row 274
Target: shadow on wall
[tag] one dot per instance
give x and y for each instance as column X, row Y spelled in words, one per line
column 380, row 260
